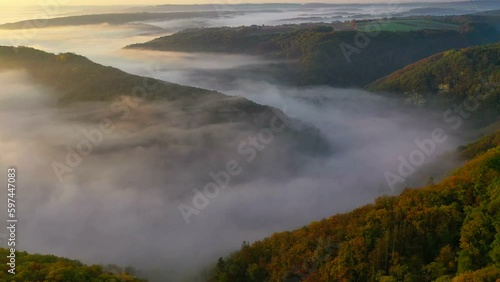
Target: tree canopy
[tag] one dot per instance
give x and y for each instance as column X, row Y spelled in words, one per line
column 50, row 268
column 448, row 78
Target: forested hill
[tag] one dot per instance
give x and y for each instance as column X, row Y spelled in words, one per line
column 75, row 78
column 435, row 233
column 72, row 78
column 33, row 267
column 322, row 55
column 452, row 77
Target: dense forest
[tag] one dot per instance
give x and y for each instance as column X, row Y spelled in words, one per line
column 440, row 232
column 49, row 268
column 319, row 54
column 455, row 76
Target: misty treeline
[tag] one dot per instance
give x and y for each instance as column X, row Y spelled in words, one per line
column 435, row 233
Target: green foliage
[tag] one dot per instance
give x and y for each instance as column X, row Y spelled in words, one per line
column 457, row 76
column 479, row 147
column 49, row 268
column 488, row 274
column 444, row 230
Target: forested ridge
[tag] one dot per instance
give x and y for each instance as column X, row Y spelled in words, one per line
column 72, row 78
column 321, row 55
column 50, row 268
column 75, row 78
column 441, row 232
column 448, row 78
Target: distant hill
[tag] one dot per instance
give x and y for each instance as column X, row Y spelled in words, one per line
column 319, row 54
column 34, row 267
column 449, row 78
column 436, row 233
column 113, row 19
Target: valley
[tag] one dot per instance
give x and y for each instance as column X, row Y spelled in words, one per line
column 253, row 142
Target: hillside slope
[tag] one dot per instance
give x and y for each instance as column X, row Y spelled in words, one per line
column 458, row 76
column 430, row 234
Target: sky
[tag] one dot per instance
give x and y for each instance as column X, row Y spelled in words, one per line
column 159, row 2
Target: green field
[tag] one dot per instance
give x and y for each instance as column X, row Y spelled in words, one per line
column 404, row 25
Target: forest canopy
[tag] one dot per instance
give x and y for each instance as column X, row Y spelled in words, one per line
column 50, row 268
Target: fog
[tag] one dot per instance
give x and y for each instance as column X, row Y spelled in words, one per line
column 121, row 204
column 236, row 13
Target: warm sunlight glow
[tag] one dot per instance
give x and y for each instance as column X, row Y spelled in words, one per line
column 163, row 2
